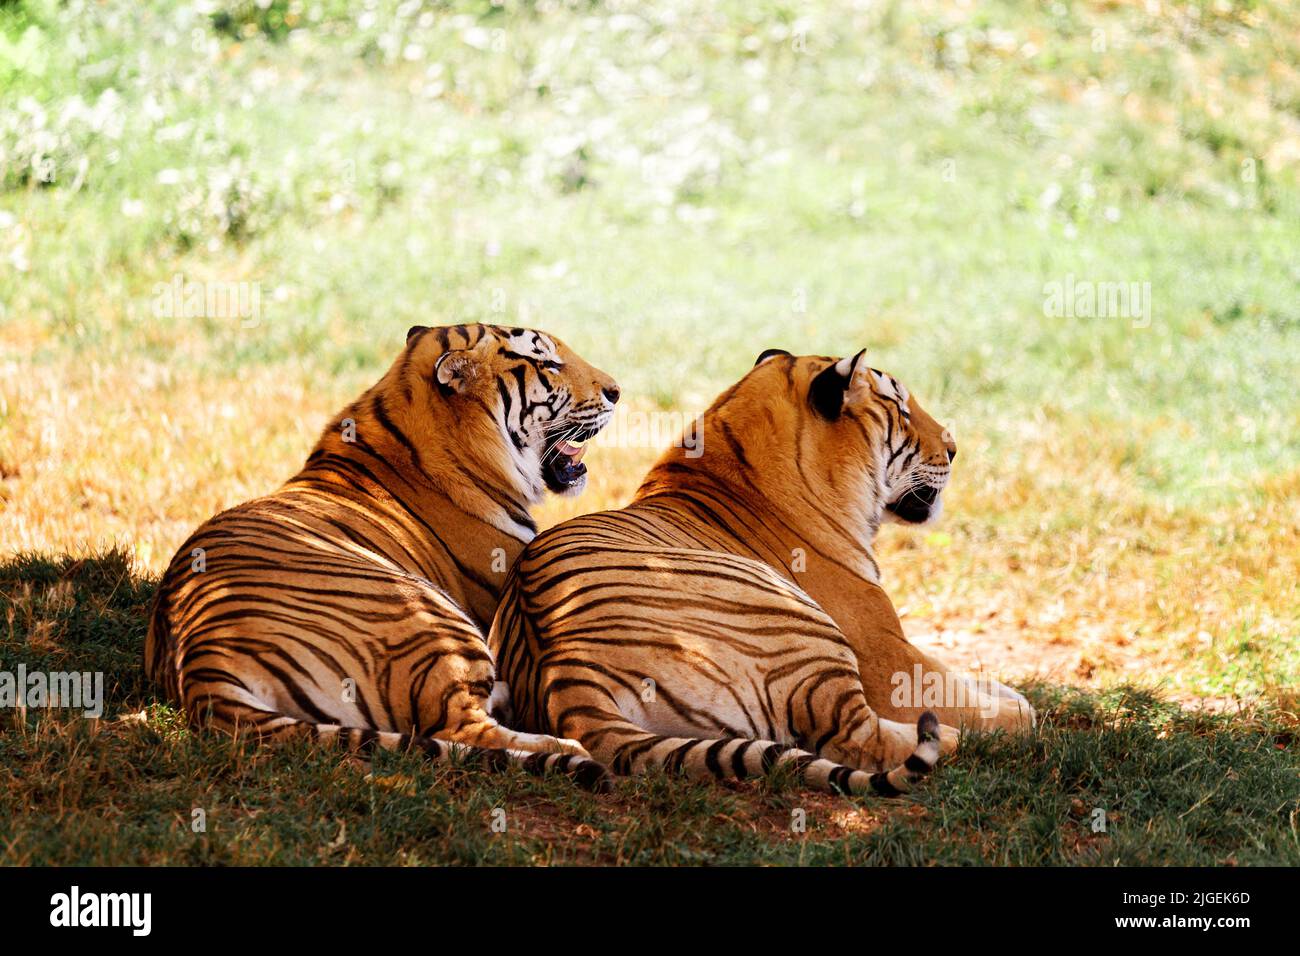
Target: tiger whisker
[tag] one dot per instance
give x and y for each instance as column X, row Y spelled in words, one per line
column 568, row 431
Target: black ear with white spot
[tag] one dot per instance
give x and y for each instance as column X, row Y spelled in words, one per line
column 768, row 353
column 829, row 387
column 414, row 331
column 453, row 371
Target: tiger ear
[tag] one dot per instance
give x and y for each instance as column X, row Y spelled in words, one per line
column 415, row 330
column 829, row 388
column 767, row 354
column 453, row 371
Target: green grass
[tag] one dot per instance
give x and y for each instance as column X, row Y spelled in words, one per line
column 1175, row 787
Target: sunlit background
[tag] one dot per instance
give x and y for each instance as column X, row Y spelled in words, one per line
column 1073, row 229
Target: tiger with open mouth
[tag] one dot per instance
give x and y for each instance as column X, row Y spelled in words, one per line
column 352, row 604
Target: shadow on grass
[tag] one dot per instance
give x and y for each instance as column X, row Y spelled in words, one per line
column 1113, row 777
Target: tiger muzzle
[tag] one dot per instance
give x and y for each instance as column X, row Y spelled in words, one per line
column 915, row 505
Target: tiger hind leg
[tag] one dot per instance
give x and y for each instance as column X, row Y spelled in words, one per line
column 836, row 715
column 476, row 725
column 498, row 703
column 269, row 727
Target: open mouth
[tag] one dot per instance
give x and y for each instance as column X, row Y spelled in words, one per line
column 914, row 506
column 562, row 468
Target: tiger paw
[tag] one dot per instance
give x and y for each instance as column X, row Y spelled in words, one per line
column 1004, row 713
column 948, row 737
column 566, row 746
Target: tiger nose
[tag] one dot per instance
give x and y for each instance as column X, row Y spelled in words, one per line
column 611, row 392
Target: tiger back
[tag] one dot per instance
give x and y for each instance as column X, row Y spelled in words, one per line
column 351, row 605
column 730, row 618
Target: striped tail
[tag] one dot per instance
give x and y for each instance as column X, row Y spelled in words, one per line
column 267, row 727
column 585, row 772
column 738, row 758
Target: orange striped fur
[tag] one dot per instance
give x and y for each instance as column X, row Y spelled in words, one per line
column 352, row 604
column 730, row 618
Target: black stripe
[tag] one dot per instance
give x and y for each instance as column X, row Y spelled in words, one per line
column 381, row 415
column 711, row 758
column 880, row 783
column 738, row 768
column 916, row 764
column 771, row 754
column 839, row 779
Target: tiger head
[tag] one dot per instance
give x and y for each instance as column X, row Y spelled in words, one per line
column 524, row 404
column 844, row 445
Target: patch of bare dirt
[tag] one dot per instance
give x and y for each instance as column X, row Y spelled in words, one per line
column 1014, row 656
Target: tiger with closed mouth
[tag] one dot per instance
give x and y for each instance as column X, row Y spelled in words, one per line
column 731, row 618
column 352, row 604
